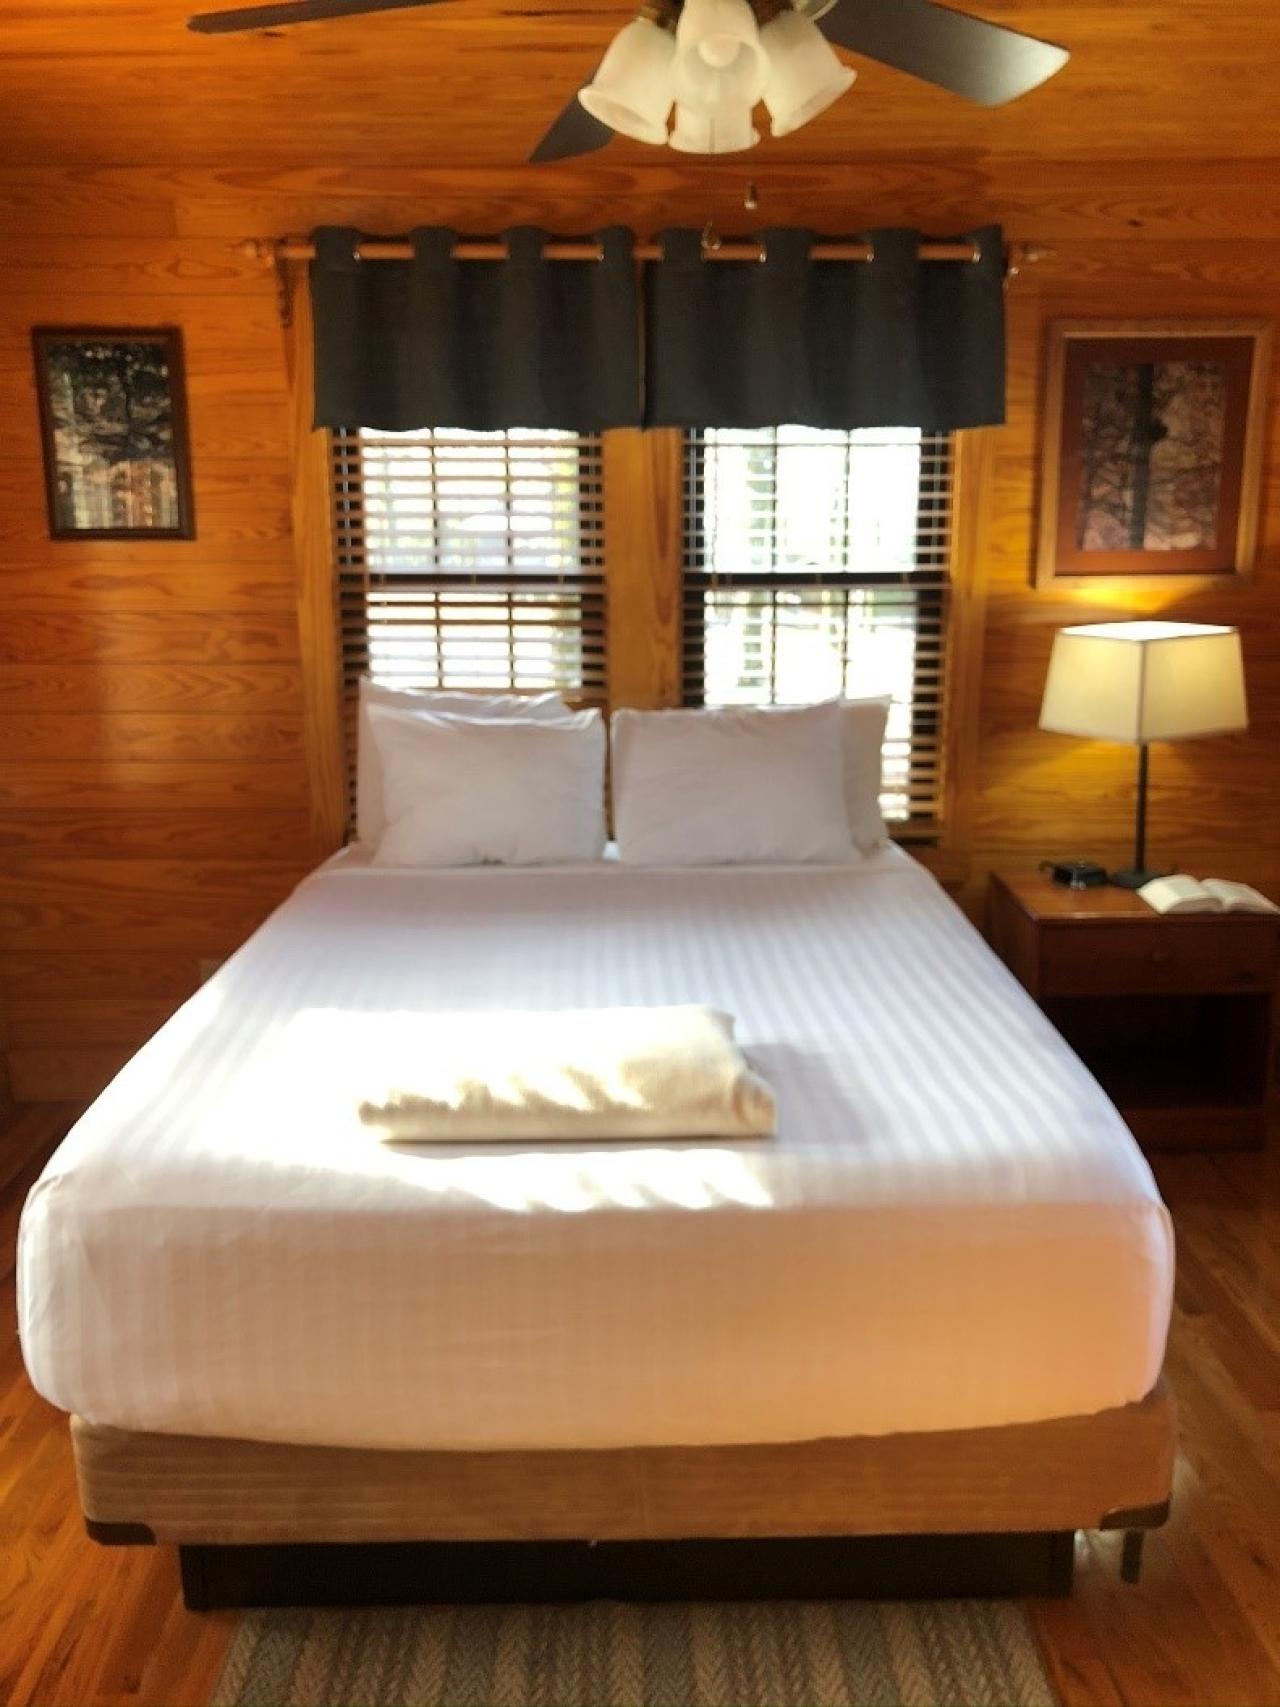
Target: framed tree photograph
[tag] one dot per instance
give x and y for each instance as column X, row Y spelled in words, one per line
column 1154, row 438
column 114, row 422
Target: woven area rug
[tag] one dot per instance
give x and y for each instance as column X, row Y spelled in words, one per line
column 767, row 1654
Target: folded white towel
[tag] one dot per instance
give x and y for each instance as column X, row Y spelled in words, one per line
column 570, row 1075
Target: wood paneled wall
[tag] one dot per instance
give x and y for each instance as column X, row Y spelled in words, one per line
column 1215, row 803
column 153, row 781
column 153, row 796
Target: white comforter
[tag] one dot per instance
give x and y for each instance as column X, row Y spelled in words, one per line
column 951, row 1229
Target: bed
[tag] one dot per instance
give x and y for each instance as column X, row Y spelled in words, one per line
column 935, row 1303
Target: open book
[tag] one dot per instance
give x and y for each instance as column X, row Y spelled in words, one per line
column 1212, row 895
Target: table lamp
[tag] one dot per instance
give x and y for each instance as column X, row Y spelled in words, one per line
column 1140, row 682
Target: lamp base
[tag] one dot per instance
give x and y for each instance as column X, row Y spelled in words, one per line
column 1134, row 879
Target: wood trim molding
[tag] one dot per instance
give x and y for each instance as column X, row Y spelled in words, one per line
column 643, row 497
column 971, row 505
column 316, row 590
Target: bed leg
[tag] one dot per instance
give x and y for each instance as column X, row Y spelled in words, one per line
column 1131, row 1555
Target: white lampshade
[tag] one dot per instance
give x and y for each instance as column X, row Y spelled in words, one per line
column 805, row 76
column 632, row 91
column 721, row 130
column 1145, row 681
column 719, row 59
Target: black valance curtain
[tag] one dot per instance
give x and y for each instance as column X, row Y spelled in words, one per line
column 476, row 345
column 528, row 342
column 890, row 342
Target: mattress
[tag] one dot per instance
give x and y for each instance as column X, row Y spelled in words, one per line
column 951, row 1229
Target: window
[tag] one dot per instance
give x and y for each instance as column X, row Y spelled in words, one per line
column 469, row 560
column 815, row 566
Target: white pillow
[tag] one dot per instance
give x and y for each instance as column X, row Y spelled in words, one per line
column 371, row 819
column 864, row 727
column 491, row 790
column 730, row 787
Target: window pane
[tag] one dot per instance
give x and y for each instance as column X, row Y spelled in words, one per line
column 796, row 500
column 489, row 502
column 470, row 561
column 478, row 556
column 816, row 567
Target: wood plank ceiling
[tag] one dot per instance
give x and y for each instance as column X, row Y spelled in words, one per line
column 474, row 82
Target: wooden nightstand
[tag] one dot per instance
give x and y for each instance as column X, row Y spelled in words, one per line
column 1174, row 1015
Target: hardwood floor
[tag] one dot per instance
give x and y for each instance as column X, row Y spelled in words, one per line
column 81, row 1626
column 1204, row 1627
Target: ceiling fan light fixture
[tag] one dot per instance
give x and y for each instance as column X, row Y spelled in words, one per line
column 720, row 60
column 805, row 76
column 633, row 90
column 713, row 130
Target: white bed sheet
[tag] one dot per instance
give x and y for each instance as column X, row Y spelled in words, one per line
column 952, row 1229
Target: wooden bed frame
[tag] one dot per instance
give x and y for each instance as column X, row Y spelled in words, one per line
column 219, row 1499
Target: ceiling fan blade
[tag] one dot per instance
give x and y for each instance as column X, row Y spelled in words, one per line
column 292, row 12
column 985, row 62
column 574, row 132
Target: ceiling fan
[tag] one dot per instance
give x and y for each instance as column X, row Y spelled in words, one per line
column 714, row 60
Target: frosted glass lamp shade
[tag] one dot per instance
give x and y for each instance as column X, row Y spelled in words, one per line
column 805, row 76
column 632, row 91
column 719, row 58
column 1145, row 681
column 720, row 130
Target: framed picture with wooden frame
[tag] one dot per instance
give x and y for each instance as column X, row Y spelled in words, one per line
column 1153, row 445
column 113, row 417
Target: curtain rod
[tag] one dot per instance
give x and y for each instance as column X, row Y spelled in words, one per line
column 714, row 249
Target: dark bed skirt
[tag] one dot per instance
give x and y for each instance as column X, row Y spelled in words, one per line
column 895, row 1567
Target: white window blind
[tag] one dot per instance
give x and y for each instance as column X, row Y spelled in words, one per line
column 816, row 565
column 470, row 561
